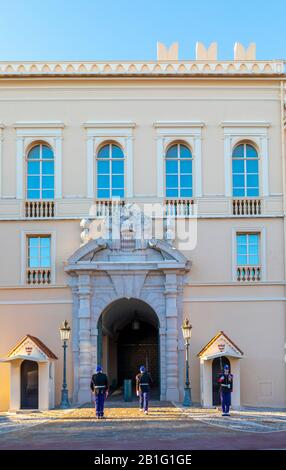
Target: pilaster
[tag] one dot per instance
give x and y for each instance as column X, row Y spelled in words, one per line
column 84, row 317
column 172, row 389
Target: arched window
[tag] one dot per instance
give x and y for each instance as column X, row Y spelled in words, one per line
column 245, row 171
column 179, row 170
column 40, row 172
column 110, row 172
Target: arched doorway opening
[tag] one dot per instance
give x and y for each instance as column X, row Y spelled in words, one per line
column 217, row 368
column 29, row 385
column 128, row 336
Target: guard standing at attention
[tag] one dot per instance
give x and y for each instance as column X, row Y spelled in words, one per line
column 226, row 385
column 143, row 383
column 99, row 386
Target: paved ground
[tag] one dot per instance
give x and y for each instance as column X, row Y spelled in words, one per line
column 166, row 427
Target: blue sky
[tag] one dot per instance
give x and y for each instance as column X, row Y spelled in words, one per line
column 129, row 29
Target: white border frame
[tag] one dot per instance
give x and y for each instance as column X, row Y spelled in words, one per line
column 26, row 134
column 97, row 132
column 1, row 172
column 253, row 131
column 189, row 132
column 263, row 260
column 24, row 234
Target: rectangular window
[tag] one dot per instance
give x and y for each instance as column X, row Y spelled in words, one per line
column 38, row 267
column 39, row 252
column 248, row 249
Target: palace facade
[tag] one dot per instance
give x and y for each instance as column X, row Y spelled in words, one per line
column 134, row 195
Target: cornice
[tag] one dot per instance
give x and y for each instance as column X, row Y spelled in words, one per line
column 245, row 124
column 178, row 124
column 39, row 125
column 109, row 124
column 137, row 68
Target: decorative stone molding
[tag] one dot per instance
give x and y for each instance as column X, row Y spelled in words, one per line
column 141, row 68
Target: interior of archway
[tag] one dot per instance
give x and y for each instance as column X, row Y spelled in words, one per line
column 128, row 337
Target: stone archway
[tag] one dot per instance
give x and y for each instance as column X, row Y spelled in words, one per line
column 102, row 274
column 128, row 336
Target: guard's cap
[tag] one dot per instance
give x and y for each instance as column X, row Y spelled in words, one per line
column 142, row 369
column 226, row 366
column 99, row 369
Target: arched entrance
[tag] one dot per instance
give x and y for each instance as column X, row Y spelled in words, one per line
column 104, row 273
column 128, row 336
column 217, row 368
column 29, row 385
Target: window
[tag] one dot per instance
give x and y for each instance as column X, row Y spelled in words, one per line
column 110, row 172
column 39, row 252
column 40, row 172
column 245, row 172
column 247, row 249
column 179, row 169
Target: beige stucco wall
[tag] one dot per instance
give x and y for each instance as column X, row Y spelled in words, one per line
column 40, row 320
column 259, row 330
column 144, row 103
column 258, row 327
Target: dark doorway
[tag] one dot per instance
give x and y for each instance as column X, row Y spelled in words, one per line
column 136, row 348
column 29, row 385
column 128, row 337
column 217, row 368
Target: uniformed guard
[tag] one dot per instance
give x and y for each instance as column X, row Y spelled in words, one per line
column 99, row 386
column 143, row 383
column 226, row 385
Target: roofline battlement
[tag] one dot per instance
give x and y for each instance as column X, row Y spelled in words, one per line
column 167, row 64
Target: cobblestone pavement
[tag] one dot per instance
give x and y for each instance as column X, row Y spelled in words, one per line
column 10, row 422
column 245, row 420
column 165, row 427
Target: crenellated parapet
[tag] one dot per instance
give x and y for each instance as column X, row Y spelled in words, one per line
column 167, row 64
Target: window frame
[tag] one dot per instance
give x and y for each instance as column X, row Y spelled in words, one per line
column 110, row 159
column 41, row 175
column 242, row 229
column 178, row 143
column 28, row 257
column 24, row 253
column 245, row 158
column 248, row 234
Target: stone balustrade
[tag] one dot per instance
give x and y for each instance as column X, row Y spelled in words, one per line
column 39, row 209
column 38, row 276
column 179, row 207
column 246, row 206
column 248, row 273
column 106, row 207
